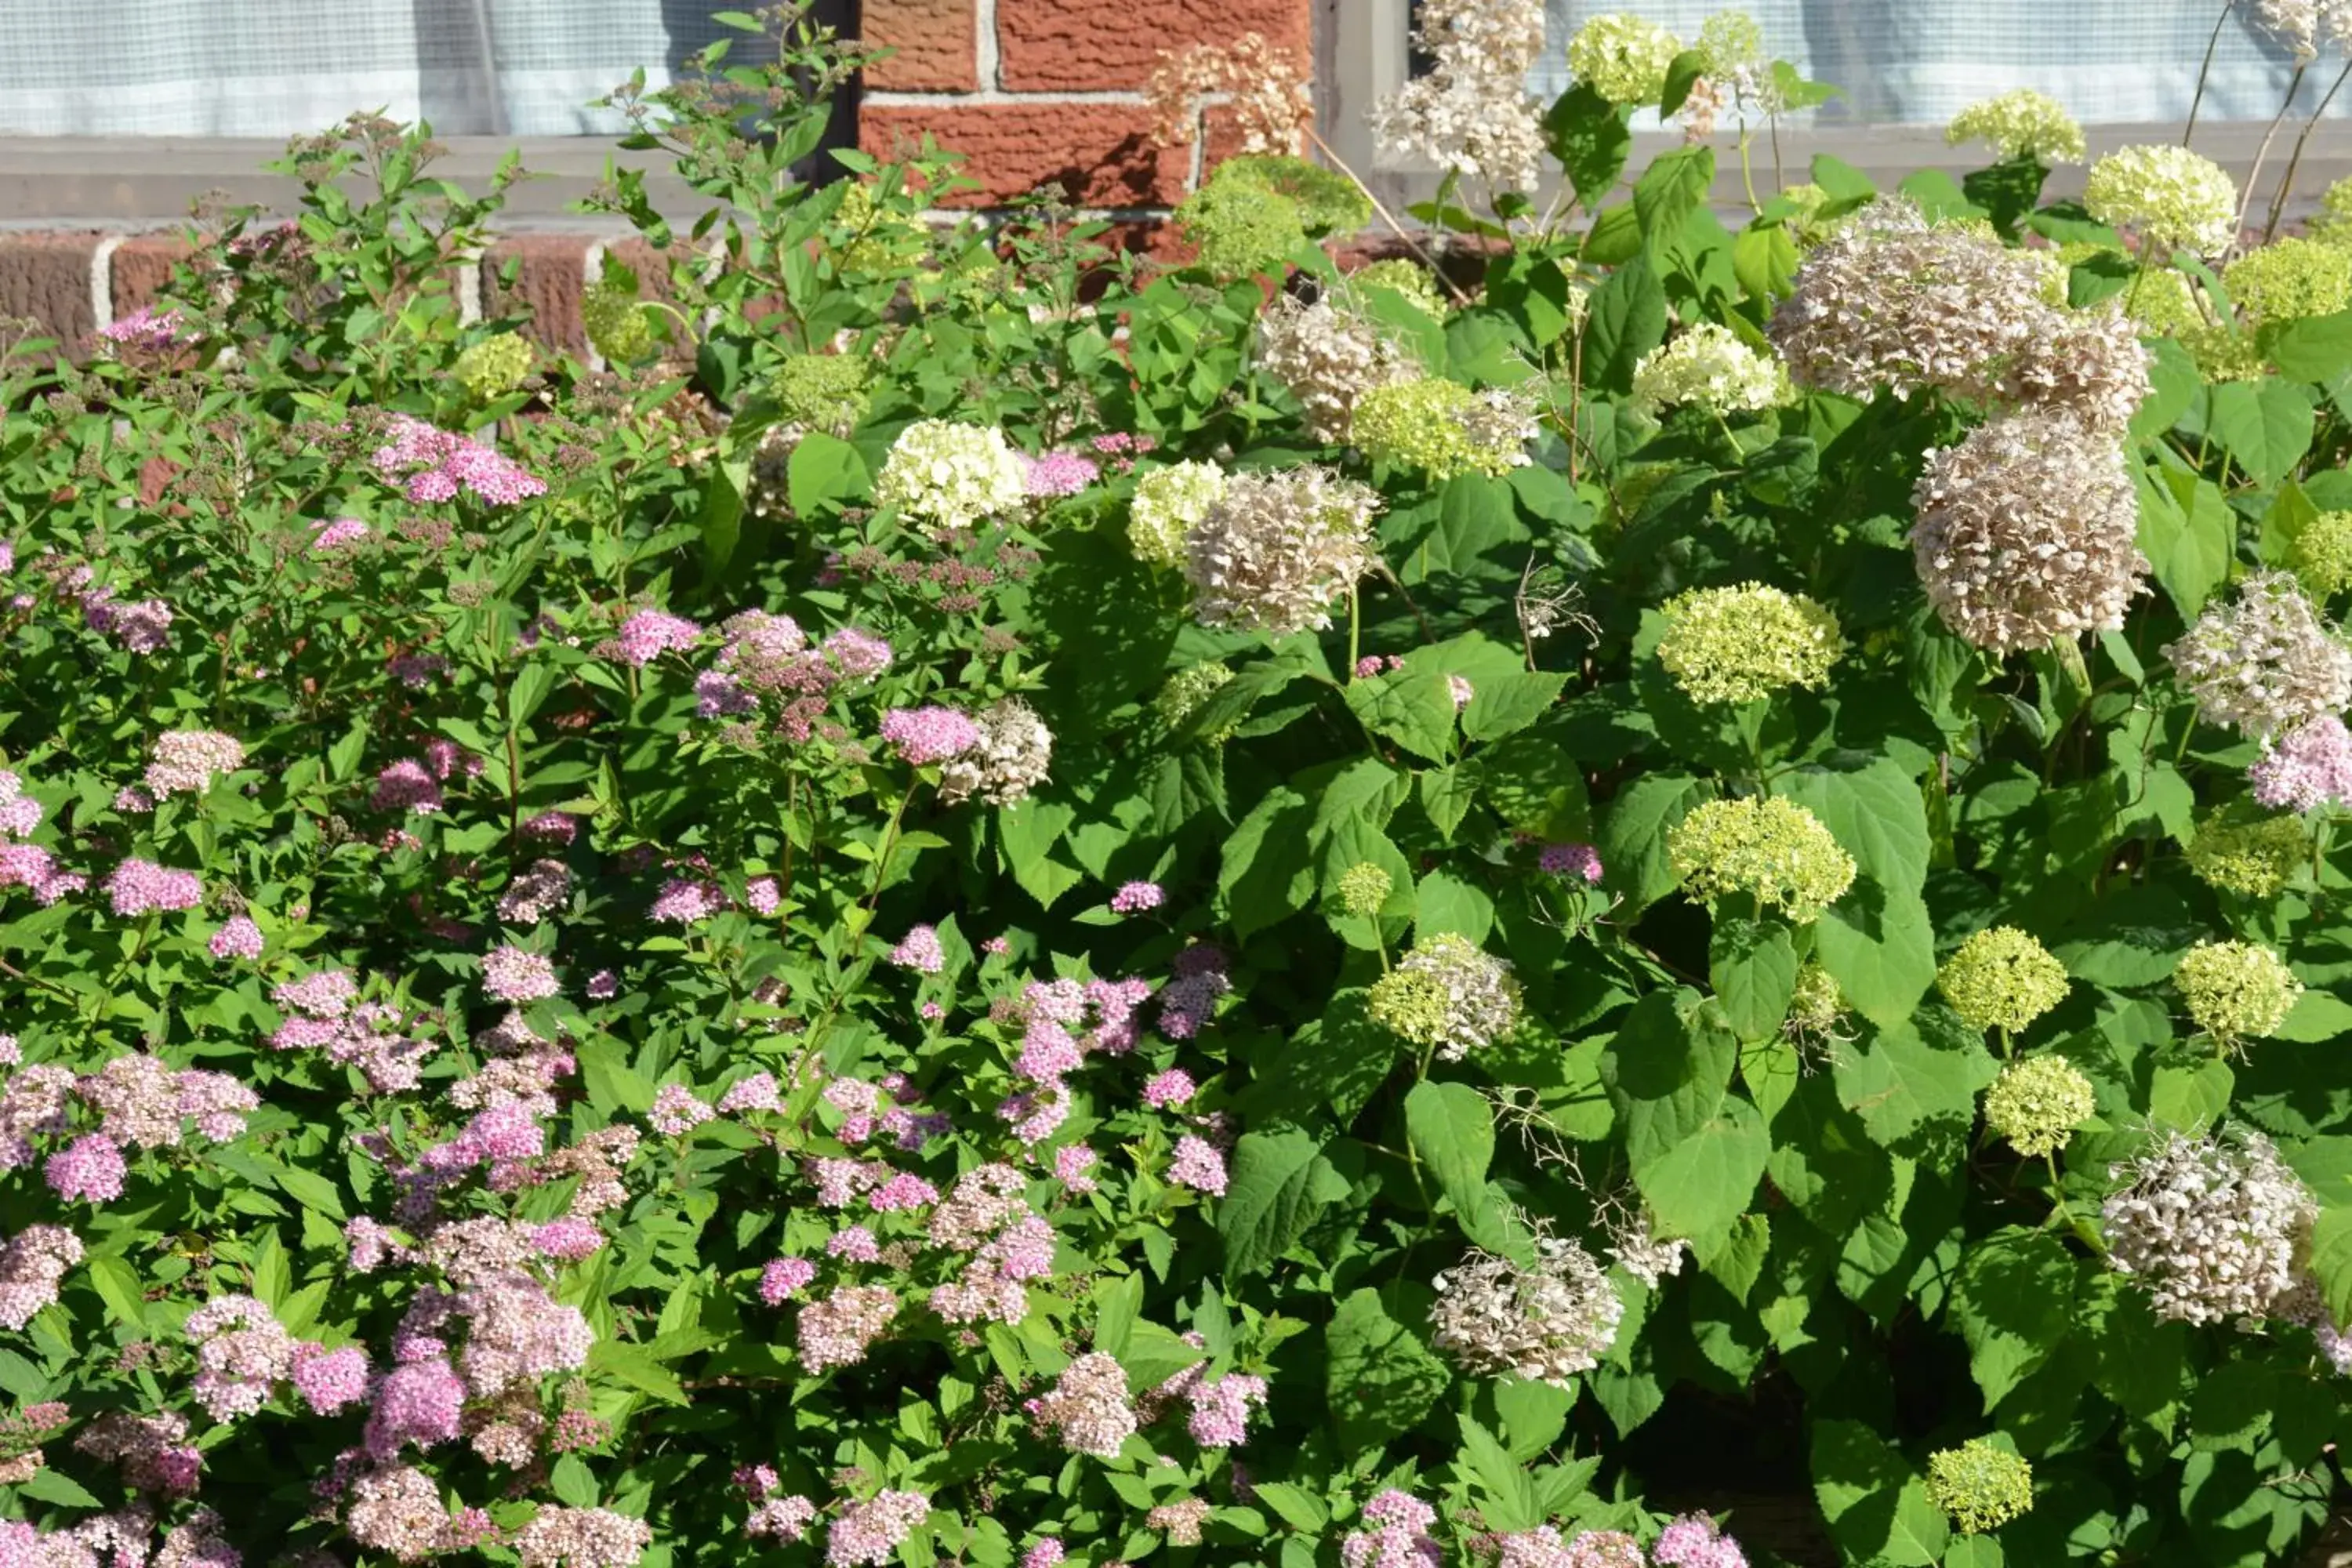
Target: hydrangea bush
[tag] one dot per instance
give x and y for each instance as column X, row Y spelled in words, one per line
column 989, row 903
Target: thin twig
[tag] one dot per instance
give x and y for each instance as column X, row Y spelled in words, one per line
column 2205, row 70
column 1388, row 218
column 2254, row 175
column 2295, row 160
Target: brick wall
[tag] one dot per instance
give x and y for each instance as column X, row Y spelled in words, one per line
column 1039, row 95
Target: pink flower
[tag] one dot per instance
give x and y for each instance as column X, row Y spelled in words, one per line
column 139, row 627
column 1047, row 1553
column 676, row 1111
column 511, row 975
column 1461, row 691
column 604, row 985
column 858, row 655
column 1198, row 1165
column 420, row 1403
column 758, row 1093
column 868, row 1534
column 437, row 464
column 239, row 938
column 683, row 902
column 782, row 1276
column 1060, row 473
column 855, row 1243
column 2311, row 767
column 1165, row 1089
column 1570, row 860
column 1220, row 1418
column 142, row 887
column 1134, row 897
column 647, row 635
column 552, row 827
column 407, row 786
column 88, row 1169
column 1071, row 1163
column 920, row 950
column 902, row 1192
column 327, row 1380
column 326, row 538
column 926, row 735
column 568, row 1239
column 146, row 328
column 1692, row 1541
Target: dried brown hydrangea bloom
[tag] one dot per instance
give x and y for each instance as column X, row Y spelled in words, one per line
column 1544, row 1323
column 1328, row 358
column 2264, row 662
column 2026, row 532
column 1279, row 549
column 1269, row 95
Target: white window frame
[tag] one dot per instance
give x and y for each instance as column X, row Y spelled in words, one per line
column 1362, row 50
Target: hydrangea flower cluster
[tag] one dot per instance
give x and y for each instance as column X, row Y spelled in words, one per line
column 2173, row 198
column 1622, row 58
column 2037, row 1103
column 1711, row 367
column 1773, row 850
column 1979, row 1485
column 1168, row 503
column 2001, row 978
column 1278, row 549
column 947, row 477
column 1010, row 755
column 2264, row 662
column 1440, row 427
column 2251, row 859
column 2021, row 123
column 2322, row 554
column 1327, row 357
column 2236, row 991
column 1470, row 114
column 2209, row 1227
column 1745, row 643
column 1546, row 1324
column 1448, row 995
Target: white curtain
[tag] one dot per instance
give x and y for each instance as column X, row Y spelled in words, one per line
column 282, row 67
column 1921, row 61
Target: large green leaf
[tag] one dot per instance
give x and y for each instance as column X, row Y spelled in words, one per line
column 1275, row 1192
column 1626, row 319
column 1379, row 1377
column 1874, row 809
column 1451, row 1129
column 1702, row 1184
column 1752, row 964
column 1880, row 948
column 1633, row 835
column 2265, row 425
column 1876, row 1506
column 2187, row 533
column 2014, row 1301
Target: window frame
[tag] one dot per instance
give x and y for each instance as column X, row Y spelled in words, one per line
column 1363, row 54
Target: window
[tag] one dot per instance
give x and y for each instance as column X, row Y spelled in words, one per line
column 2127, row 69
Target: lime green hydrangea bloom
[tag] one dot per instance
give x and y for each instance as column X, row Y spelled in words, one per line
column 1240, row 230
column 882, row 241
column 2166, row 305
column 1743, row 644
column 1773, row 850
column 1730, row 42
column 2333, row 222
column 1364, row 888
column 1623, row 59
column 2020, row 124
column 1980, row 1487
column 2177, row 199
column 1407, row 278
column 2322, row 556
column 1816, row 1004
column 617, row 325
column 2253, row 859
column 2236, row 990
column 2001, row 978
column 2037, row 1103
column 1168, row 503
column 822, row 392
column 1439, row 426
column 1185, row 691
column 1447, row 994
column 493, row 367
column 1327, row 202
column 2289, row 281
column 1711, row 366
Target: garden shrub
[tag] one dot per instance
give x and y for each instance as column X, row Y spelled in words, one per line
column 991, row 903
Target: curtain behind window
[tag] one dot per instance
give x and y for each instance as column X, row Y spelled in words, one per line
column 281, row 68
column 1921, row 61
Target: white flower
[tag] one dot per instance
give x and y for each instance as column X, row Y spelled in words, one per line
column 948, row 476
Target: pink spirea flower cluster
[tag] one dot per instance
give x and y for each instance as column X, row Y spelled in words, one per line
column 1050, row 1050
column 779, row 1516
column 1190, row 997
column 1072, row 1163
column 330, row 1380
column 142, row 625
column 242, row 1353
column 238, row 937
column 684, row 900
column 1396, row 1534
column 926, row 735
column 329, row 537
column 1060, row 473
column 837, row 1329
column 142, row 887
column 2309, row 768
column 511, row 975
column 1047, row 1553
column 920, row 950
column 1164, row 1091
column 649, row 634
column 1135, row 898
column 1221, row 1410
column 185, row 762
column 28, row 866
column 434, row 464
column 89, row 1170
column 676, row 1111
column 784, row 1277
column 1570, row 860
column 145, row 328
column 1693, row 1542
column 1198, row 1165
column 373, row 1036
column 868, row 1534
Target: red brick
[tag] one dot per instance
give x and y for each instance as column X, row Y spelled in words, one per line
column 546, row 286
column 1095, row 155
column 937, row 45
column 1081, row 45
column 143, row 269
column 46, row 277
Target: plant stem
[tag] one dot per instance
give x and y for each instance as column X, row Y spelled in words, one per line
column 2205, row 70
column 2294, row 159
column 2254, row 175
column 1388, row 218
column 2083, row 1232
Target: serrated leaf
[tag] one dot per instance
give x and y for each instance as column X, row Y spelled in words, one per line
column 1451, row 1131
column 1269, row 1199
column 2014, row 1301
column 1380, row 1378
column 1511, row 1497
column 628, row 1364
column 1876, row 1507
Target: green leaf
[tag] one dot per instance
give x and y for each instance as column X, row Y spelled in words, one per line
column 1295, row 1506
column 1669, row 191
column 1626, row 319
column 2265, row 424
column 1877, row 1508
column 1503, row 705
column 1269, row 870
column 1379, row 1378
column 1910, row 1094
column 1702, row 1184
column 55, row 1486
column 1269, row 1200
column 1752, row 964
column 1030, row 831
column 2174, row 382
column 308, row 1189
column 2331, row 1261
column 2190, row 1098
column 2189, row 535
column 824, row 472
column 724, row 517
column 1633, row 835
column 2316, row 348
column 1510, row 1496
column 1451, row 1129
column 628, row 1364
column 118, row 1286
column 1588, row 136
column 2014, row 1301
column 1875, row 812
column 2316, row 1017
column 1415, row 709
column 1880, row 948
